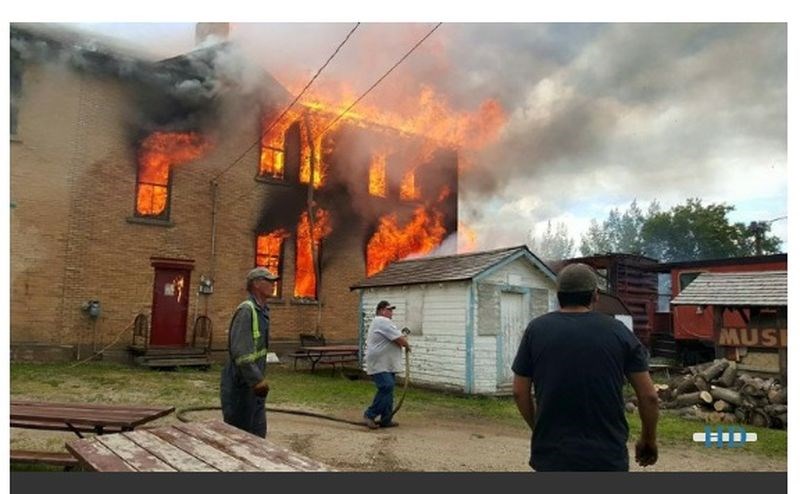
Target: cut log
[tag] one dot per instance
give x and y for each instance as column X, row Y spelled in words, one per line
column 728, row 376
column 729, row 418
column 752, row 386
column 686, row 386
column 741, row 415
column 722, row 406
column 696, row 369
column 714, row 370
column 701, row 383
column 779, row 421
column 776, row 409
column 777, row 396
column 758, row 418
column 728, row 395
column 694, row 398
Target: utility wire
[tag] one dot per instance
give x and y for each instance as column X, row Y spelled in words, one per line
column 364, row 94
column 278, row 119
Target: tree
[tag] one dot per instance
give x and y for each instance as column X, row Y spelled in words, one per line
column 619, row 232
column 554, row 244
column 692, row 231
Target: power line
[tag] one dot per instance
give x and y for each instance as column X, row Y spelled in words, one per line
column 409, row 52
column 278, row 119
column 365, row 93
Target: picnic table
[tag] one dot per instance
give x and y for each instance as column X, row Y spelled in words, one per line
column 82, row 417
column 327, row 354
column 78, row 418
column 211, row 446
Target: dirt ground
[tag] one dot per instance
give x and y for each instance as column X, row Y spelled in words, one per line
column 425, row 445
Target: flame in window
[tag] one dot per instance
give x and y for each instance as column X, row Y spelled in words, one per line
column 377, row 175
column 305, row 276
column 268, row 254
column 392, row 242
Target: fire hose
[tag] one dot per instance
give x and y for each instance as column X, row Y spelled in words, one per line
column 181, row 413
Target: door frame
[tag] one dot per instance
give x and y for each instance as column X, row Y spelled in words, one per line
column 504, row 362
column 158, row 263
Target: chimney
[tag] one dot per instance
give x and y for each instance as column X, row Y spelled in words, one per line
column 217, row 30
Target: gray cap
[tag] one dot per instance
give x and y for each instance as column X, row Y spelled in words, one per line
column 257, row 273
column 576, row 277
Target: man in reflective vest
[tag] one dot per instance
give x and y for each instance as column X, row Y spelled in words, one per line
column 244, row 388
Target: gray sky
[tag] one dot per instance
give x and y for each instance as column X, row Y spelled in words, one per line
column 596, row 115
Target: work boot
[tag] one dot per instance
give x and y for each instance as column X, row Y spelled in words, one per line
column 370, row 423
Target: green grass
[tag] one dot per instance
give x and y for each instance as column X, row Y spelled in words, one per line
column 335, row 395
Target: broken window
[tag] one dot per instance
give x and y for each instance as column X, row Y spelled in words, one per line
column 158, row 153
column 377, row 175
column 269, row 254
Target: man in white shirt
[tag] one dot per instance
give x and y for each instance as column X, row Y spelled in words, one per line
column 384, row 357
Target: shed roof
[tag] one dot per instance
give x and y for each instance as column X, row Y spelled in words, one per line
column 764, row 288
column 448, row 268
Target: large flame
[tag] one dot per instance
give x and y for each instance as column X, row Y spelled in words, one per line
column 157, row 153
column 467, row 238
column 305, row 276
column 392, row 242
column 408, row 187
column 273, row 145
column 268, row 254
column 377, row 175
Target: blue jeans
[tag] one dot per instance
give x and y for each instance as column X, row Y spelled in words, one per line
column 384, row 398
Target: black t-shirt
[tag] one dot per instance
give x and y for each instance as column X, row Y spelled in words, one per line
column 578, row 363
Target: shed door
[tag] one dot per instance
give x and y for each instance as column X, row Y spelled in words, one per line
column 170, row 306
column 512, row 323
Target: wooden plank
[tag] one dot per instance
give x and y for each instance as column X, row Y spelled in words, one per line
column 204, row 452
column 95, row 456
column 133, row 454
column 172, row 455
column 245, row 450
column 88, row 415
column 272, row 450
column 46, row 457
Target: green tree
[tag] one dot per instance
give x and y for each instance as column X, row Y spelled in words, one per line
column 554, row 244
column 693, row 231
column 620, row 232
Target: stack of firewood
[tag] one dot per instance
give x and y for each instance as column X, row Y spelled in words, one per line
column 718, row 392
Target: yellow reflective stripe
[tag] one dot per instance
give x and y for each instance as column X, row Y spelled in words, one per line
column 251, row 357
column 254, row 319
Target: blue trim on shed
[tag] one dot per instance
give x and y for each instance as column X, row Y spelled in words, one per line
column 469, row 377
column 361, row 328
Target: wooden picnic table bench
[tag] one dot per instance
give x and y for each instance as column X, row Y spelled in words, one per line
column 79, row 418
column 329, row 354
column 211, row 446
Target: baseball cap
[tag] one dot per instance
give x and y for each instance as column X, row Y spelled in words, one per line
column 576, row 277
column 383, row 304
column 257, row 273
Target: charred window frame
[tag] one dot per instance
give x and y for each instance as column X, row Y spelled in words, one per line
column 154, row 187
column 269, row 249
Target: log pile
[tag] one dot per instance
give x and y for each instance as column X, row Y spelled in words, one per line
column 718, row 392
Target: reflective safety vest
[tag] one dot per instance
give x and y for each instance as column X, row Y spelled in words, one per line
column 252, row 357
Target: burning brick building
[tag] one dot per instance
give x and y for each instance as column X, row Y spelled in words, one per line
column 151, row 187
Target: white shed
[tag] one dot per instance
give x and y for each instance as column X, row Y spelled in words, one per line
column 466, row 313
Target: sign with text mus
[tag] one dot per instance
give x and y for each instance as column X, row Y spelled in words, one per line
column 724, row 437
column 752, row 337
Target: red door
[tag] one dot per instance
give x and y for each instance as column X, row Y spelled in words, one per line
column 170, row 306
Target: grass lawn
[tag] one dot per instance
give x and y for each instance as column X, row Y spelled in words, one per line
column 321, row 392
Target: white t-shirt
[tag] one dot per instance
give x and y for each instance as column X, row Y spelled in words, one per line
column 382, row 354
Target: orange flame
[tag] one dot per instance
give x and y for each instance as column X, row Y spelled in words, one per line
column 305, row 277
column 467, row 238
column 391, row 242
column 377, row 175
column 273, row 149
column 158, row 152
column 268, row 253
column 408, row 189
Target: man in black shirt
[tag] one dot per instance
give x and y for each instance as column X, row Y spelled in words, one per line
column 577, row 360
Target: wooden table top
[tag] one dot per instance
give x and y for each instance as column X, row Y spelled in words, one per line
column 82, row 416
column 210, row 446
column 332, row 349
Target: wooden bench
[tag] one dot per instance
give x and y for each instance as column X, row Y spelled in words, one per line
column 306, row 340
column 59, row 459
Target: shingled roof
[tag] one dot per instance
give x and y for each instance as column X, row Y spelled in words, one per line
column 765, row 288
column 448, row 268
